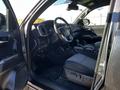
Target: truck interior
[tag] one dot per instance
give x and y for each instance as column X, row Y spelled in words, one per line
column 63, row 56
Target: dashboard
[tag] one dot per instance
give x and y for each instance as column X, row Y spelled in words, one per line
column 46, row 30
column 44, row 39
column 42, row 36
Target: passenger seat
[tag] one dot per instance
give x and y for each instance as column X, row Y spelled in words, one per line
column 80, row 69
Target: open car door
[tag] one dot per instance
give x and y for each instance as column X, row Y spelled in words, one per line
column 13, row 71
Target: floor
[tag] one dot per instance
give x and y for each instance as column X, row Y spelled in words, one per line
column 56, row 75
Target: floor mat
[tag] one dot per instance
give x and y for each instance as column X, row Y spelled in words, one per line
column 56, row 74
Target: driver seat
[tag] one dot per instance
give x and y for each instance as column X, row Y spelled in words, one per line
column 80, row 69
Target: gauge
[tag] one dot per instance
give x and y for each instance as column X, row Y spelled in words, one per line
column 42, row 31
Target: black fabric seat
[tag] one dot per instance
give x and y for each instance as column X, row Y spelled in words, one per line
column 80, row 69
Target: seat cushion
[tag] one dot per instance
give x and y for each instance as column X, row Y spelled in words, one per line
column 80, row 68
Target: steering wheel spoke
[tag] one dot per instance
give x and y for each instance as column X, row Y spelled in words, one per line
column 64, row 31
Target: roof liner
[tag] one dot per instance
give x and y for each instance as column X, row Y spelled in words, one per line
column 92, row 4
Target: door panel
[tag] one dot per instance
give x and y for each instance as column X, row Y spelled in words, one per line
column 13, row 71
column 12, row 79
column 12, row 65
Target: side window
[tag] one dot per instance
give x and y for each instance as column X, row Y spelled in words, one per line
column 8, row 30
column 2, row 16
column 98, row 16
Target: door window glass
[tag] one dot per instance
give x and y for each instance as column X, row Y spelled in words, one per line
column 2, row 16
column 98, row 16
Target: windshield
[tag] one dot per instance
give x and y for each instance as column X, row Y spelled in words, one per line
column 22, row 8
column 59, row 9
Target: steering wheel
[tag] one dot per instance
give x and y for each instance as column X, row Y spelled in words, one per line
column 64, row 31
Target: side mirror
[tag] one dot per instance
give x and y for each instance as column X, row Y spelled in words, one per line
column 86, row 22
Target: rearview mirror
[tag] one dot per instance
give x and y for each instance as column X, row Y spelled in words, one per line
column 72, row 6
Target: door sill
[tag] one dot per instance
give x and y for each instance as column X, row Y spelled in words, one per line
column 31, row 86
